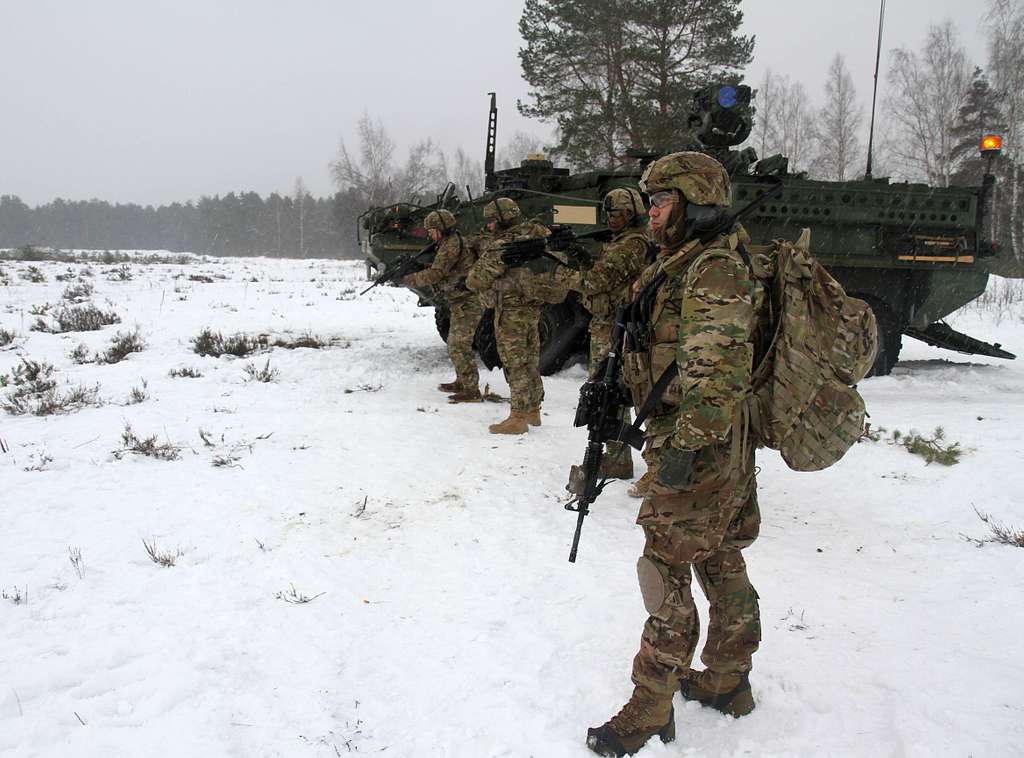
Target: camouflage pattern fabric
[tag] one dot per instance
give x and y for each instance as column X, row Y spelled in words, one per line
column 701, row 179
column 705, row 318
column 518, row 340
column 707, row 540
column 516, row 313
column 604, row 288
column 465, row 315
column 804, row 404
column 447, row 272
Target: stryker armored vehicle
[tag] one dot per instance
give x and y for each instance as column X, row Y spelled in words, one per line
column 915, row 253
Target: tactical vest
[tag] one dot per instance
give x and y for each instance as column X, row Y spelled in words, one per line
column 659, row 342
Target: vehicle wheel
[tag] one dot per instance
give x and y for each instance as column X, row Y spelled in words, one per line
column 485, row 343
column 890, row 337
column 560, row 329
column 442, row 320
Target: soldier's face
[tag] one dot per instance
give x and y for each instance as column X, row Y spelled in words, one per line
column 662, row 209
column 616, row 220
column 435, row 234
column 492, row 225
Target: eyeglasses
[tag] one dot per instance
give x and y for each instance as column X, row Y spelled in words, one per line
column 663, row 198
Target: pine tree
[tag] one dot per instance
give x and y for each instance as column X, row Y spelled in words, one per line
column 615, row 74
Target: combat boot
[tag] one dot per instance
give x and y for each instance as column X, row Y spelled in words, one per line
column 455, row 386
column 736, row 701
column 514, row 424
column 533, row 416
column 645, row 715
column 466, row 396
column 642, row 484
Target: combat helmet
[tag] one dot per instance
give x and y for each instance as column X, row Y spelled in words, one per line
column 442, row 220
column 701, row 179
column 504, row 209
column 628, row 201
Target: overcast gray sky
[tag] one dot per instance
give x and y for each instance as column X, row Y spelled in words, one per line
column 153, row 101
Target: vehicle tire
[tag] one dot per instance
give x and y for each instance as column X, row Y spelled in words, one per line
column 561, row 330
column 890, row 337
column 485, row 343
column 442, row 320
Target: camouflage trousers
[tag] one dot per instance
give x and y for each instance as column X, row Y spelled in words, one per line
column 600, row 344
column 515, row 331
column 701, row 532
column 465, row 316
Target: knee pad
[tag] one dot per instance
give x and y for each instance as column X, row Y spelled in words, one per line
column 653, row 587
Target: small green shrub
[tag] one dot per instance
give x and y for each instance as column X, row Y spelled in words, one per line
column 78, row 293
column 33, row 274
column 86, row 318
column 164, row 451
column 81, row 355
column 122, row 345
column 186, row 372
column 35, row 391
column 215, row 344
column 265, row 374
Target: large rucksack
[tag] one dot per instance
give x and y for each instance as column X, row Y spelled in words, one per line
column 821, row 342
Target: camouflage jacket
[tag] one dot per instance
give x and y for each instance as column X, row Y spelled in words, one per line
column 455, row 257
column 705, row 318
column 500, row 286
column 606, row 286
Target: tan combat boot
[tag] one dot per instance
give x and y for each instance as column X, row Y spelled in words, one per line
column 514, row 424
column 645, row 715
column 455, row 386
column 533, row 416
column 727, row 693
column 642, row 484
column 466, row 396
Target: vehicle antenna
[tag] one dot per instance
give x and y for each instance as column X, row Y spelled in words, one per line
column 874, row 93
column 490, row 180
column 476, row 215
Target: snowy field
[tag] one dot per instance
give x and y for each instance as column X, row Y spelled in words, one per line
column 444, row 619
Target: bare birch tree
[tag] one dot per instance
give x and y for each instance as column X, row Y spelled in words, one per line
column 784, row 122
column 1006, row 66
column 767, row 98
column 301, row 195
column 927, row 90
column 520, row 145
column 837, row 128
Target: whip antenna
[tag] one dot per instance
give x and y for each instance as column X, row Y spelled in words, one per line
column 874, row 93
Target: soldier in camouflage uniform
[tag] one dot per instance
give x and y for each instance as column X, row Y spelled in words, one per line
column 605, row 287
column 513, row 294
column 701, row 509
column 455, row 256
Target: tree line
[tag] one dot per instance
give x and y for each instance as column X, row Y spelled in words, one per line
column 243, row 223
column 607, row 76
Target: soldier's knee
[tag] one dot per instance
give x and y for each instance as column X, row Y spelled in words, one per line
column 654, row 586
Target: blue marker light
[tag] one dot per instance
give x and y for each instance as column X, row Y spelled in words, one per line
column 727, row 97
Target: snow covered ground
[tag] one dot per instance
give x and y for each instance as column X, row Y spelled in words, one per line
column 445, row 619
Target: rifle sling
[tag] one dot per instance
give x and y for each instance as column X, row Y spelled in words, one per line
column 631, row 433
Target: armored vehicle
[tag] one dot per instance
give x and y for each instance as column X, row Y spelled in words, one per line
column 915, row 253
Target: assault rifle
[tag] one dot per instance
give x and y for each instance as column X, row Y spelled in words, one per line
column 562, row 239
column 602, row 398
column 408, row 263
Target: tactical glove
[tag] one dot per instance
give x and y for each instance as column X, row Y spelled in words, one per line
column 675, row 466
